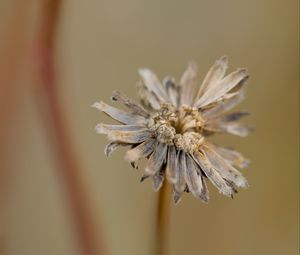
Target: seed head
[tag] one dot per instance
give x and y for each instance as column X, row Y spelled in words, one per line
column 171, row 127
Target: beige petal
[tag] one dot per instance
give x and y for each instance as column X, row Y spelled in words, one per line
column 153, row 84
column 172, row 90
column 180, row 169
column 106, row 129
column 212, row 174
column 214, row 76
column 226, row 170
column 233, row 157
column 158, row 180
column 188, row 84
column 148, row 98
column 119, row 115
column 133, row 106
column 111, row 147
column 218, row 90
column 156, row 159
column 171, row 164
column 130, row 137
column 225, row 105
column 192, row 178
column 141, row 151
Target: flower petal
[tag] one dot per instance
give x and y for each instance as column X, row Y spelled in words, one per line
column 180, row 170
column 171, row 164
column 130, row 137
column 133, row 106
column 225, row 105
column 233, row 157
column 188, row 84
column 172, row 90
column 218, row 90
column 106, row 128
column 111, row 147
column 176, row 196
column 158, row 180
column 192, row 178
column 156, row 159
column 205, row 193
column 148, row 98
column 226, row 170
column 233, row 128
column 119, row 115
column 153, row 84
column 214, row 75
column 212, row 174
column 141, row 151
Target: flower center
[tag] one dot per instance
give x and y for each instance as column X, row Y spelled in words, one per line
column 181, row 127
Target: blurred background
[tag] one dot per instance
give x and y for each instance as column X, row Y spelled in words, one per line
column 60, row 195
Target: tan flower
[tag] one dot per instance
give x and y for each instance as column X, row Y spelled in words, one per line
column 172, row 126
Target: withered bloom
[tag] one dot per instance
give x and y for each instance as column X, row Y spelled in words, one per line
column 172, row 126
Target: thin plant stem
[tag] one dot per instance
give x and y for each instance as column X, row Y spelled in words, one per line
column 162, row 220
column 89, row 242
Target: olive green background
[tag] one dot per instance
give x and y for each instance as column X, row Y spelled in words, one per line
column 100, row 46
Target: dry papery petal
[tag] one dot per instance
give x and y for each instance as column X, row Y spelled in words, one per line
column 141, row 151
column 156, row 159
column 219, row 89
column 119, row 115
column 188, row 84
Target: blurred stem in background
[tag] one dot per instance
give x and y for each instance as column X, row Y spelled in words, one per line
column 162, row 220
column 13, row 45
column 44, row 51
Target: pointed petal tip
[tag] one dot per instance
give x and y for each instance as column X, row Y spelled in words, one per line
column 143, row 178
column 115, row 95
column 98, row 105
column 99, row 129
column 243, row 71
column 143, row 71
column 223, row 60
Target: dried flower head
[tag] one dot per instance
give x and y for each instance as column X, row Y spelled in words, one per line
column 172, row 126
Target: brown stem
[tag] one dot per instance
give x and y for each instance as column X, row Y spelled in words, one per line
column 54, row 119
column 162, row 220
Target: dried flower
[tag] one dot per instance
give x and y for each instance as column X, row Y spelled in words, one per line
column 172, row 126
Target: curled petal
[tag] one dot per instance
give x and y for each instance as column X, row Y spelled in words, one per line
column 111, row 147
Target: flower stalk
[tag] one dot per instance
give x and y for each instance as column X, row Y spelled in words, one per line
column 162, row 220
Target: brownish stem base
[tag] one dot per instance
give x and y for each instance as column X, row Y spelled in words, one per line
column 162, row 220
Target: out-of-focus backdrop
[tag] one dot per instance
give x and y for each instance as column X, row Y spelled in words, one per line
column 99, row 45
